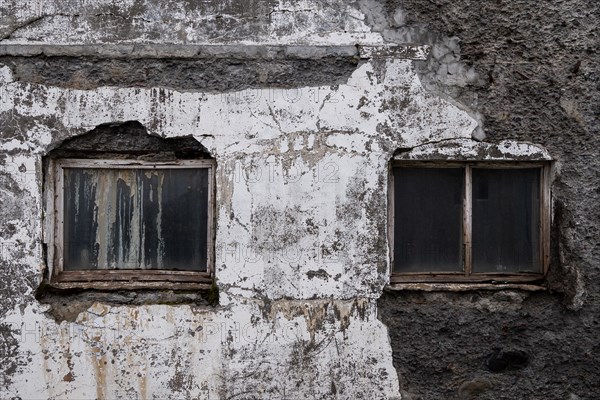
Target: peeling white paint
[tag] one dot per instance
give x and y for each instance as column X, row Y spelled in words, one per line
column 6, row 75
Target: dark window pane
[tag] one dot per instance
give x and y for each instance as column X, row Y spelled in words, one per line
column 184, row 218
column 428, row 219
column 80, row 216
column 506, row 220
column 135, row 219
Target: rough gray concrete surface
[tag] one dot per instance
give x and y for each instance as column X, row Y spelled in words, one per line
column 528, row 71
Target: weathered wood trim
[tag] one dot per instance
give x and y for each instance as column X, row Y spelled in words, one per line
column 459, row 277
column 391, row 217
column 133, row 275
column 211, row 212
column 59, row 217
column 131, row 285
column 546, row 216
column 428, row 164
column 132, row 164
column 473, row 164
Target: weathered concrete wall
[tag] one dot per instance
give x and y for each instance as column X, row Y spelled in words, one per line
column 302, row 136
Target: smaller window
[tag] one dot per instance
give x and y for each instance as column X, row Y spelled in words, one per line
column 469, row 221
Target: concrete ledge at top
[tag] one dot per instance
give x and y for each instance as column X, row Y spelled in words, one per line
column 412, row 52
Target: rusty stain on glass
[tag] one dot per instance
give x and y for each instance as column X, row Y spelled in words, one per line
column 131, row 218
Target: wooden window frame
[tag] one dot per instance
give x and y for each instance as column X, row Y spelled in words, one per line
column 121, row 279
column 467, row 275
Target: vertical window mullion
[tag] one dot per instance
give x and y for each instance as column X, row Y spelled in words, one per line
column 59, row 205
column 467, row 221
column 545, row 218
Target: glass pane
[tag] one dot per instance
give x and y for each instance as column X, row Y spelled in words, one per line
column 506, row 220
column 135, row 219
column 428, row 219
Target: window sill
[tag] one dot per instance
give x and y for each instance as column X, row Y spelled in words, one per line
column 128, row 285
column 131, row 279
column 463, row 287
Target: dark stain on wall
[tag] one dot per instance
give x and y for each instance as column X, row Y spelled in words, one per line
column 66, row 305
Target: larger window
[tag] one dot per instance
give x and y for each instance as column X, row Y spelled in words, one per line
column 126, row 209
column 118, row 220
column 469, row 221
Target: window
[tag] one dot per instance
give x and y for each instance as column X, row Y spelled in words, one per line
column 469, row 221
column 130, row 221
